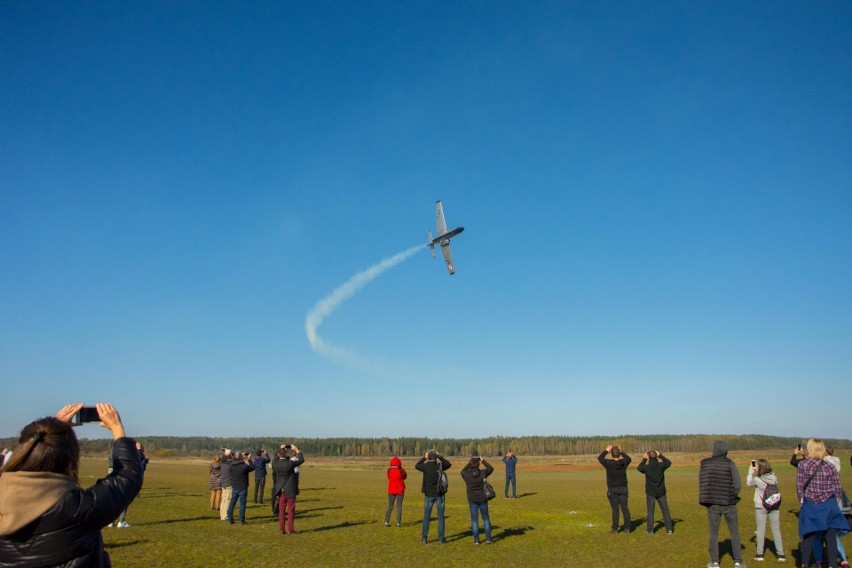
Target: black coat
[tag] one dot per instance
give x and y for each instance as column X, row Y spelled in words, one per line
column 69, row 534
column 474, row 480
column 430, row 474
column 286, row 477
column 655, row 476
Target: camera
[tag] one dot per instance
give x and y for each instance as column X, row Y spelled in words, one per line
column 87, row 414
column 288, row 446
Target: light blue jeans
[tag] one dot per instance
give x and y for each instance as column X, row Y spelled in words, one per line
column 427, row 516
column 475, row 510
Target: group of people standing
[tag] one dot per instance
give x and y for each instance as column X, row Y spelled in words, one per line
column 229, row 483
column 434, row 488
column 817, row 487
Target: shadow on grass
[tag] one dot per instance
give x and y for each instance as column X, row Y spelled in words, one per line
column 509, row 532
column 123, row 544
column 184, row 520
column 726, row 548
column 521, row 495
column 321, row 509
column 343, row 525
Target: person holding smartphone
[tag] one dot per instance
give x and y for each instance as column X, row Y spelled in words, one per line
column 46, row 518
column 759, row 476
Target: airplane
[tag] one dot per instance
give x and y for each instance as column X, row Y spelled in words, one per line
column 443, row 237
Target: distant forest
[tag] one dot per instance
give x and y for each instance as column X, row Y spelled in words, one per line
column 198, row 446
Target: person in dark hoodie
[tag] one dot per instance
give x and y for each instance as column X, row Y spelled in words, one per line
column 719, row 490
column 432, row 464
column 240, row 469
column 474, row 479
column 654, row 465
column 616, row 484
column 396, row 490
column 46, row 518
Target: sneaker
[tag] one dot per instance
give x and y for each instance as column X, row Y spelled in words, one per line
column 489, row 541
column 476, row 542
column 844, row 564
column 387, row 524
column 123, row 525
column 111, row 525
column 442, row 541
column 739, row 565
column 783, row 558
column 423, row 540
column 712, row 565
column 758, row 557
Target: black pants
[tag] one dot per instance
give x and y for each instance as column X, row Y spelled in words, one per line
column 259, row 485
column 618, row 499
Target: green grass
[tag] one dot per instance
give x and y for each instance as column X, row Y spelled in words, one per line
column 561, row 518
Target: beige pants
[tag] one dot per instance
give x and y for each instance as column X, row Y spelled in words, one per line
column 226, row 498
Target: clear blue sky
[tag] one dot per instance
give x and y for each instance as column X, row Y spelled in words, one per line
column 657, row 200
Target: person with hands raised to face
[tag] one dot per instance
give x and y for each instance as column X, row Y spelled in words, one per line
column 432, row 464
column 616, row 484
column 46, row 518
column 654, row 466
column 286, row 470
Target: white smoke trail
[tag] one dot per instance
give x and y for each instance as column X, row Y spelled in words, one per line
column 327, row 305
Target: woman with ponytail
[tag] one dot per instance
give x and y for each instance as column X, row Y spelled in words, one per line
column 46, row 518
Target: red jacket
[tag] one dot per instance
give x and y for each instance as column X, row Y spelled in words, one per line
column 396, row 477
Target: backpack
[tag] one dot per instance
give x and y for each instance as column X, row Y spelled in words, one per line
column 771, row 497
column 443, row 482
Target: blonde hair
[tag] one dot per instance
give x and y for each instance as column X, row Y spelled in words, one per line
column 816, row 449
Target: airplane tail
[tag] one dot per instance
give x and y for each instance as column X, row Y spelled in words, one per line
column 431, row 244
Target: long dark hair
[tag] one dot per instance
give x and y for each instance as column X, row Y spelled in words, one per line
column 48, row 445
column 472, row 464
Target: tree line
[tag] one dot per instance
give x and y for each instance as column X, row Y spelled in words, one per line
column 202, row 446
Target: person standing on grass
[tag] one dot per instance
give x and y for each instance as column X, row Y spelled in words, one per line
column 719, row 490
column 260, row 462
column 286, row 469
column 396, row 490
column 474, row 479
column 432, row 464
column 510, row 461
column 818, row 488
column 654, row 465
column 760, row 476
column 616, row 484
column 240, row 469
column 215, row 483
column 225, row 476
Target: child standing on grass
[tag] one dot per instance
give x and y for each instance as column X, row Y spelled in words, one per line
column 760, row 476
column 396, row 490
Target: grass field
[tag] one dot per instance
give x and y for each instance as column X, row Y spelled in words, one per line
column 561, row 518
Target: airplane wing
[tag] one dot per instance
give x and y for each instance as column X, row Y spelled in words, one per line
column 439, row 214
column 445, row 249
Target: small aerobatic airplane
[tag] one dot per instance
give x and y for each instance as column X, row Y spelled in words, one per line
column 443, row 237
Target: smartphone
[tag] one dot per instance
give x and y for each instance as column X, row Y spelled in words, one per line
column 87, row 414
column 753, row 463
column 799, row 447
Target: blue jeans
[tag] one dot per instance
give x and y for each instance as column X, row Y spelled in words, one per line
column 475, row 509
column 427, row 516
column 242, row 495
column 514, row 485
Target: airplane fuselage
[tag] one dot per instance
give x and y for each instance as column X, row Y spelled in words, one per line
column 445, row 238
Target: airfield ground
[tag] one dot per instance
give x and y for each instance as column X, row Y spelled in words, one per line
column 561, row 518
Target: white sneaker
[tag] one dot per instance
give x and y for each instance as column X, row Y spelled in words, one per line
column 123, row 525
column 110, row 525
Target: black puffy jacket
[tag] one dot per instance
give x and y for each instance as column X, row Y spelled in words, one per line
column 68, row 533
